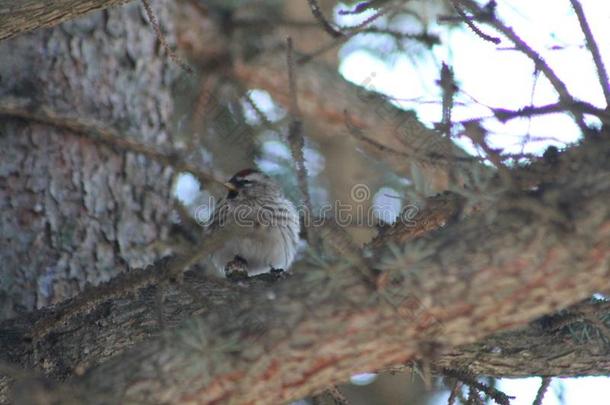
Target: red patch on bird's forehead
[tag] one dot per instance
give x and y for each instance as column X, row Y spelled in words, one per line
column 245, row 173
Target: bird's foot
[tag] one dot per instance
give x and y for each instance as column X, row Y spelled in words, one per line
column 278, row 274
column 237, row 269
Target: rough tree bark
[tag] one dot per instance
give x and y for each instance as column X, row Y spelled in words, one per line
column 25, row 15
column 72, row 212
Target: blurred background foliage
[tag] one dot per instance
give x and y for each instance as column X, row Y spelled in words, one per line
column 225, row 127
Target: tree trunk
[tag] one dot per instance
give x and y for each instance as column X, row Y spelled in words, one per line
column 74, row 212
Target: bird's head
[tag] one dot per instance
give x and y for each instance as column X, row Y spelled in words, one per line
column 251, row 183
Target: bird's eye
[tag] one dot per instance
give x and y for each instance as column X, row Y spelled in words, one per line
column 246, row 183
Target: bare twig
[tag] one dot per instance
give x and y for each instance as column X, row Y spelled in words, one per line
column 476, row 133
column 602, row 73
column 426, row 38
column 448, row 86
column 455, row 391
column 564, row 95
column 419, row 156
column 351, row 32
column 295, row 132
column 357, row 133
column 505, row 115
column 292, row 81
column 161, row 36
column 544, row 385
column 204, row 103
column 498, row 396
column 469, row 22
column 317, row 13
column 259, row 113
column 360, row 27
column 361, row 7
column 430, row 157
column 98, row 132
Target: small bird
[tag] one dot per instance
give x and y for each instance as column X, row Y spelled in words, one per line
column 260, row 226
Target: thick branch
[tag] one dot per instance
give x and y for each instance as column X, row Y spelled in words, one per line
column 490, row 273
column 541, row 349
column 21, row 16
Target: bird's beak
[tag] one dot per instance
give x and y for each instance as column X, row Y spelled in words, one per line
column 230, row 186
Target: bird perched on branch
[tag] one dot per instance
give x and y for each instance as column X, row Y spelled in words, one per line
column 260, row 227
